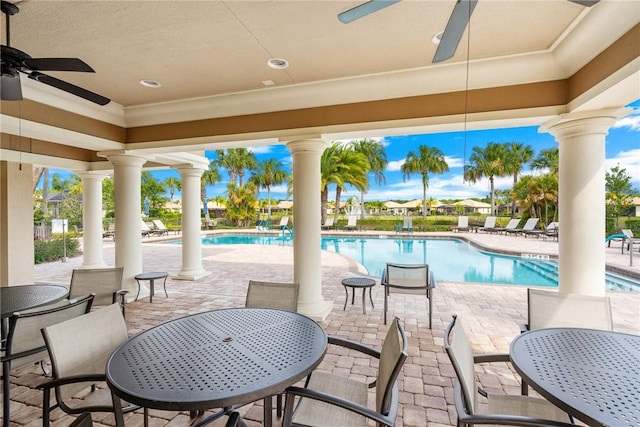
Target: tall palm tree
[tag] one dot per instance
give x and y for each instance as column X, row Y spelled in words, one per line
column 236, row 161
column 210, row 177
column 547, row 159
column 518, row 154
column 489, row 162
column 426, row 160
column 267, row 173
column 341, row 165
column 172, row 183
column 377, row 158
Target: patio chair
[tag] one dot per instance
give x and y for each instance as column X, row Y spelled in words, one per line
column 514, row 410
column 283, row 296
column 332, row 400
column 408, row 279
column 328, row 224
column 159, row 228
column 407, row 224
column 79, row 349
column 528, row 226
column 145, row 229
column 630, row 238
column 84, row 420
column 24, row 344
column 511, row 225
column 463, row 224
column 352, row 223
column 489, row 225
column 104, row 283
column 550, row 230
column 551, row 309
column 284, row 222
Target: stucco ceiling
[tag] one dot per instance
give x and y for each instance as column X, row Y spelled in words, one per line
column 211, row 56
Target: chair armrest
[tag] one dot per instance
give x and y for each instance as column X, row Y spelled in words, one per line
column 524, row 328
column 71, row 380
column 490, row 358
column 352, row 345
column 337, row 401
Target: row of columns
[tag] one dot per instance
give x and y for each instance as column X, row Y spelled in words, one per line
column 581, row 139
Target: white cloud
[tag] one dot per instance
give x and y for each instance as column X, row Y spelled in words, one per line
column 632, row 121
column 629, row 160
column 454, row 162
column 395, row 165
column 260, row 149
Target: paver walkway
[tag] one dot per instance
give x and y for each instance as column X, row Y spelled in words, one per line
column 491, row 315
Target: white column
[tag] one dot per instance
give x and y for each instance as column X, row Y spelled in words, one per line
column 92, row 227
column 581, row 138
column 306, row 215
column 191, row 235
column 128, row 231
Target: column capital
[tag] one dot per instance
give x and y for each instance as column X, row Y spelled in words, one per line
column 124, row 159
column 189, row 170
column 584, row 122
column 308, row 145
column 93, row 174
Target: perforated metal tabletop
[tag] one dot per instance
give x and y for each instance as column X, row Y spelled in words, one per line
column 216, row 359
column 592, row 375
column 23, row 297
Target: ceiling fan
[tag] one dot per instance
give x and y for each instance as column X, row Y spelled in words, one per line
column 452, row 34
column 14, row 61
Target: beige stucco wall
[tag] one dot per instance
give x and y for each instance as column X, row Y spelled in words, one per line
column 16, row 224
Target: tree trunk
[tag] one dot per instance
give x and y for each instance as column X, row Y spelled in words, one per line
column 513, row 202
column 362, row 205
column 337, row 212
column 424, row 201
column 269, row 203
column 324, row 196
column 493, row 211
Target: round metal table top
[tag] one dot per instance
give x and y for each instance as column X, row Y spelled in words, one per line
column 151, row 275
column 216, row 359
column 358, row 282
column 24, row 297
column 591, row 374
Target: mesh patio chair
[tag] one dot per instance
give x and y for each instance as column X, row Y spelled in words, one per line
column 511, row 225
column 463, row 223
column 489, row 225
column 84, row 420
column 283, row 296
column 514, row 410
column 24, row 343
column 414, row 279
column 352, row 223
column 159, row 228
column 79, row 349
column 330, row 400
column 528, row 226
column 550, row 309
column 407, row 224
column 328, row 224
column 104, row 283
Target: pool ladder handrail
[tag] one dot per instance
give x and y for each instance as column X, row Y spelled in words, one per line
column 290, row 230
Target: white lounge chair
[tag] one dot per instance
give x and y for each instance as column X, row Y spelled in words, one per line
column 489, row 225
column 159, row 227
column 463, row 224
column 352, row 223
column 528, row 226
column 629, row 239
column 284, row 222
column 328, row 224
column 512, row 225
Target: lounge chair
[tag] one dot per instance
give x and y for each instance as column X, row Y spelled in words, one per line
column 284, row 222
column 159, row 227
column 145, row 229
column 550, row 230
column 352, row 223
column 463, row 224
column 328, row 224
column 407, row 224
column 629, row 239
column 489, row 225
column 512, row 225
column 528, row 226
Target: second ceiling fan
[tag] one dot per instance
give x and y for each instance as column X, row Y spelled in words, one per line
column 453, row 32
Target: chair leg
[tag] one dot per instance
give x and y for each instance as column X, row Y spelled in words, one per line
column 279, row 406
column 386, row 305
column 524, row 388
column 6, row 398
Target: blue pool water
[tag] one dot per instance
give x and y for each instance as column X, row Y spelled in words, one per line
column 453, row 260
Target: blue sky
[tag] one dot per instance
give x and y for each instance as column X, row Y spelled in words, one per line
column 622, row 148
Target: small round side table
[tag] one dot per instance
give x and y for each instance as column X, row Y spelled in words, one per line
column 360, row 283
column 152, row 277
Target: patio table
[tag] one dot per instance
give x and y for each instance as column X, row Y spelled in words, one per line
column 217, row 359
column 24, row 297
column 593, row 375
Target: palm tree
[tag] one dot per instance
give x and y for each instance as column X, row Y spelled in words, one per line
column 547, row 159
column 489, row 162
column 210, row 177
column 377, row 158
column 426, row 160
column 236, row 161
column 269, row 172
column 341, row 165
column 172, row 183
column 517, row 155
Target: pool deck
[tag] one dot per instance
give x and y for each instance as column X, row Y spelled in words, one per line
column 491, row 315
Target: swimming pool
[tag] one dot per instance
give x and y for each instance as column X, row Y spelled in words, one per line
column 453, row 260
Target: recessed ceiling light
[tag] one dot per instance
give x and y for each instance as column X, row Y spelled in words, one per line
column 150, row 83
column 278, row 63
column 436, row 39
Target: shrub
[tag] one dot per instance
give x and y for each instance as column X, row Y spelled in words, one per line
column 52, row 250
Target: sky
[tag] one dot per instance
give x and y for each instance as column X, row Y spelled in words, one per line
column 622, row 149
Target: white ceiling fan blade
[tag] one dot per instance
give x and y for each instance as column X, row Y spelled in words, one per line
column 456, row 26
column 364, row 9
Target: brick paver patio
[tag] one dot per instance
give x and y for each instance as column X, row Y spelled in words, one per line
column 491, row 315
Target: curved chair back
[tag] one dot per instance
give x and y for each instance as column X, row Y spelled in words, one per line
column 548, row 309
column 392, row 357
column 283, row 296
column 105, row 283
column 460, row 352
column 408, row 279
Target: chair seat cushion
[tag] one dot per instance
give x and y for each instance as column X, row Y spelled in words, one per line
column 312, row 412
column 527, row 406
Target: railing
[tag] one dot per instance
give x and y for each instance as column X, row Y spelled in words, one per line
column 42, row 232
